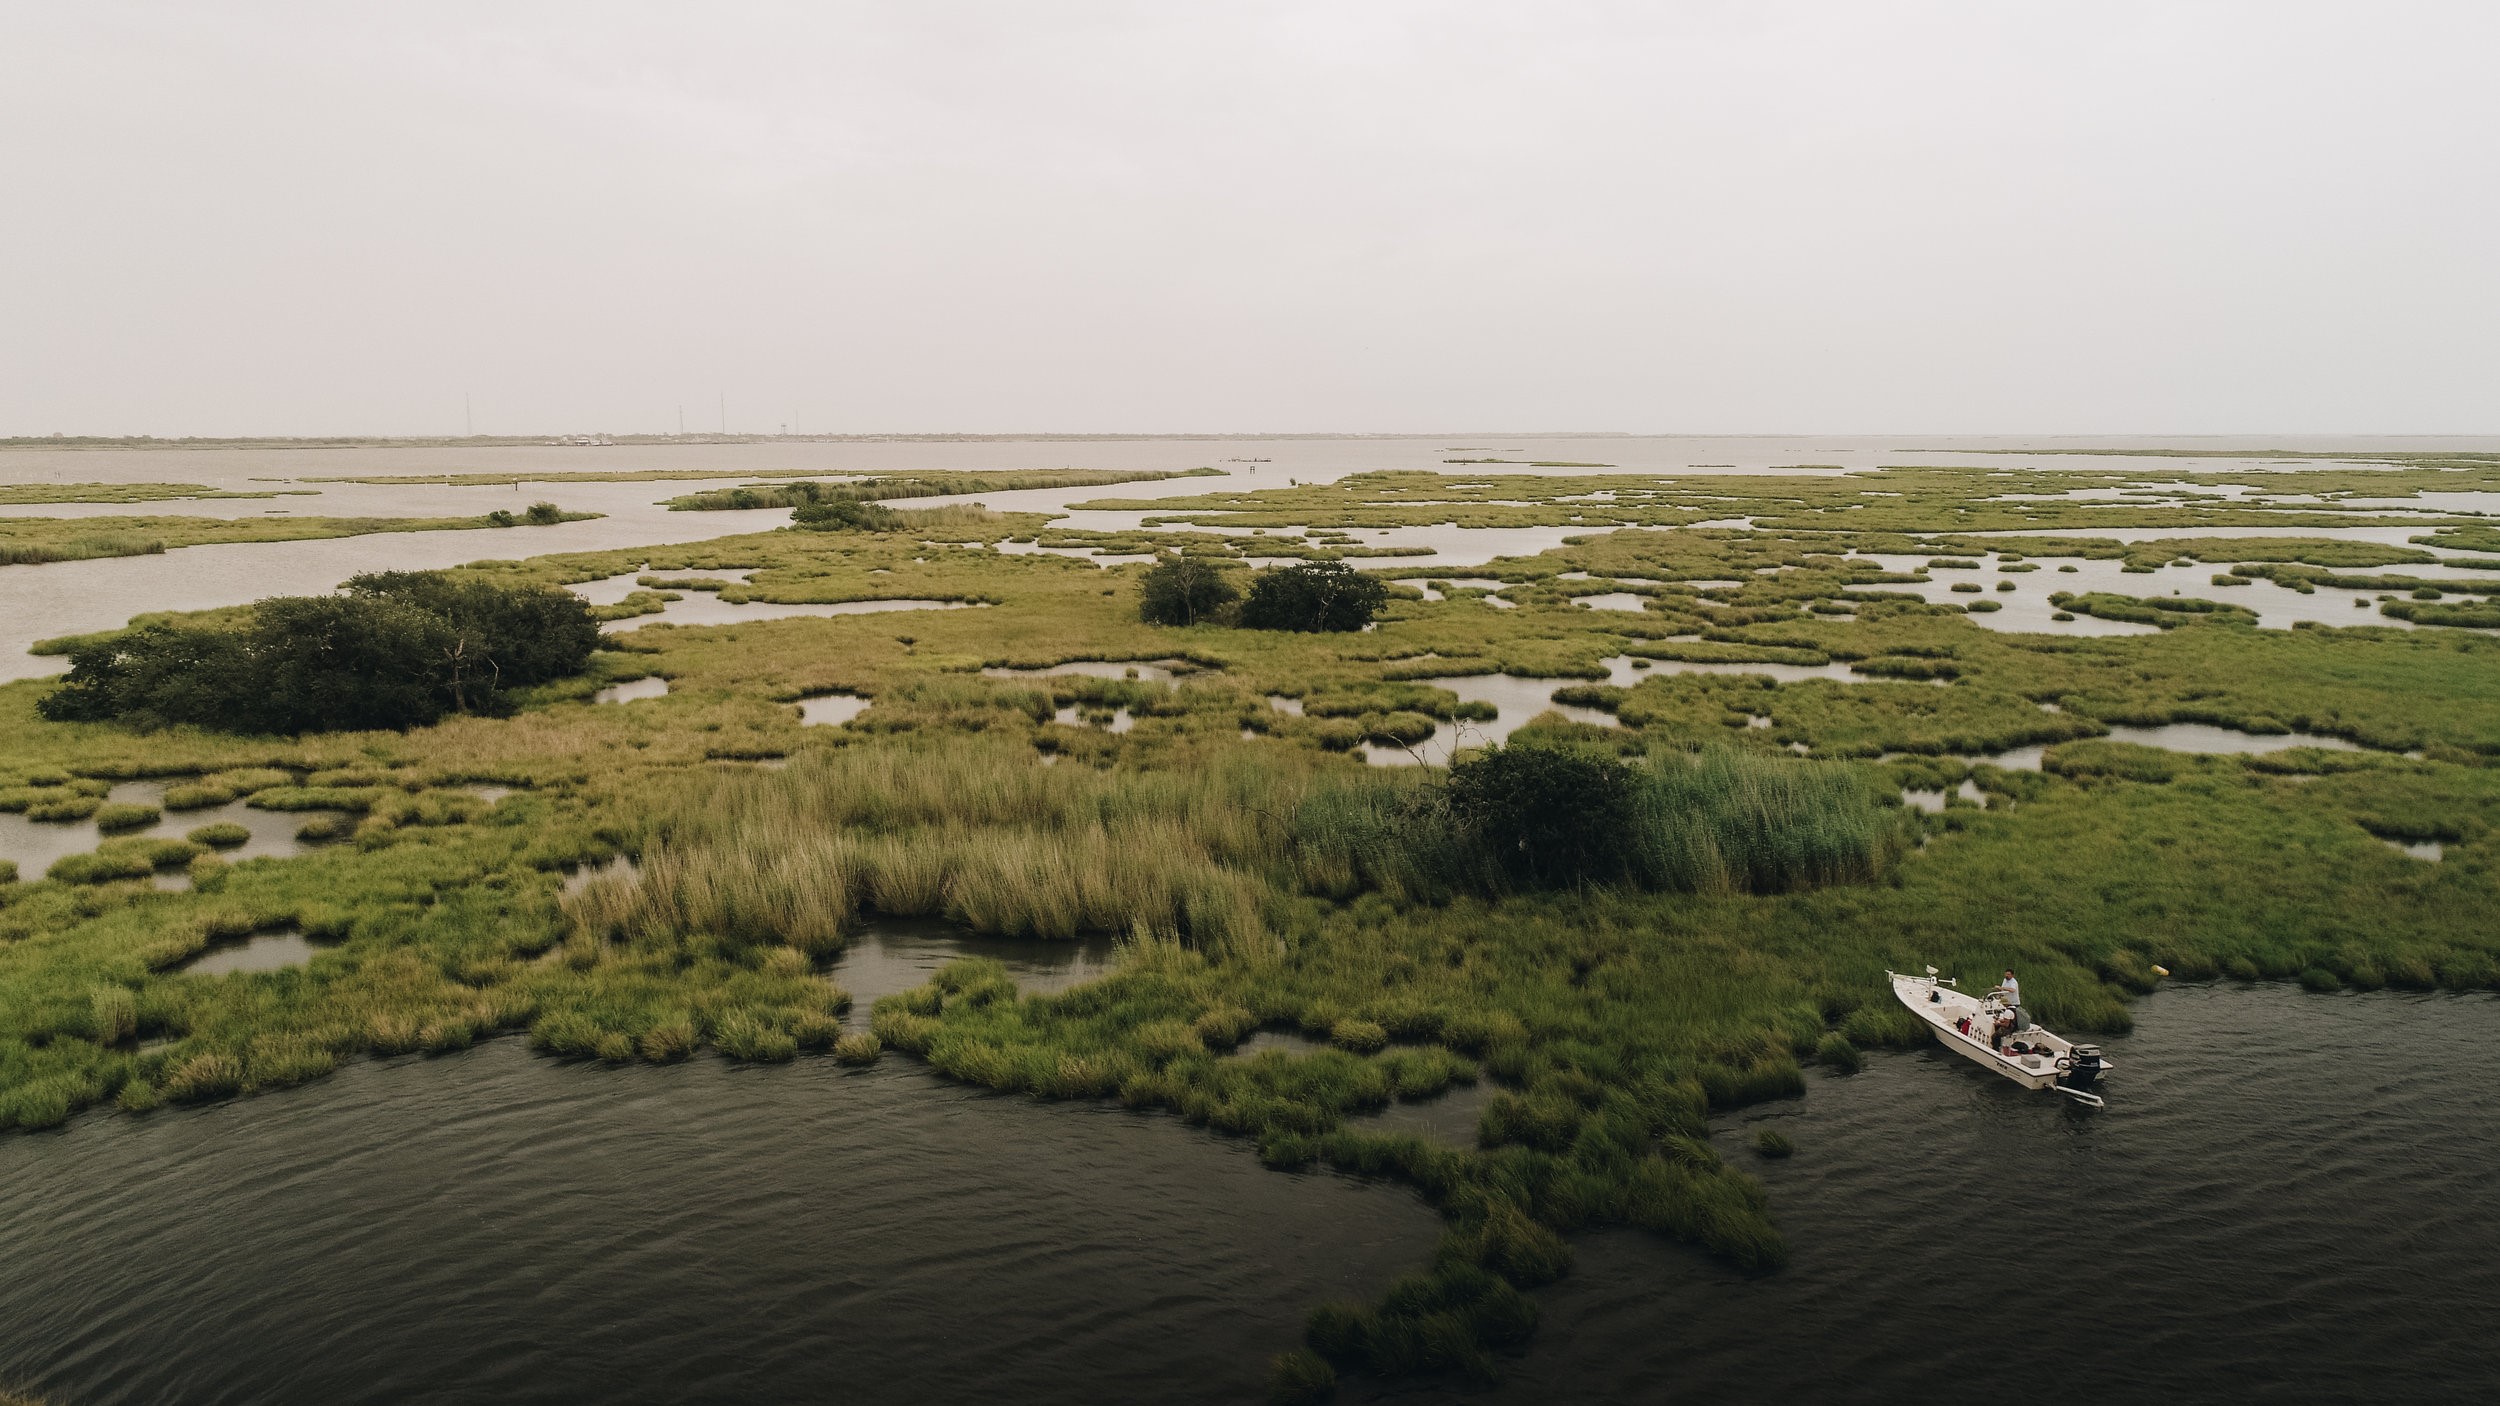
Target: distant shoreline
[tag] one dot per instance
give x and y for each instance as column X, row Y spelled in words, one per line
column 2253, row 445
column 623, row 440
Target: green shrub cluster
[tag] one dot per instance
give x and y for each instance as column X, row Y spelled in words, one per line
column 397, row 650
column 1543, row 815
column 1315, row 596
column 1184, row 591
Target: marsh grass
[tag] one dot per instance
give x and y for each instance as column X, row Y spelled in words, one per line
column 118, row 816
column 1273, row 883
column 32, row 541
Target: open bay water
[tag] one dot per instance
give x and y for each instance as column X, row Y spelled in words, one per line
column 2290, row 1198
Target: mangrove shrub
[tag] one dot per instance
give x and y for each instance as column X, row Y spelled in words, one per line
column 399, row 649
column 1184, row 591
column 1314, row 596
column 826, row 514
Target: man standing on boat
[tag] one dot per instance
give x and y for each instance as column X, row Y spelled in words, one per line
column 2012, row 991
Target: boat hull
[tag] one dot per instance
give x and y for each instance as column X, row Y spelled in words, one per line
column 2047, row 1062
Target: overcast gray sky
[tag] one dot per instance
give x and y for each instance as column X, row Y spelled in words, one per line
column 1859, row 216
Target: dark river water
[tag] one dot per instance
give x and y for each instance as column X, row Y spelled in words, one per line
column 2290, row 1198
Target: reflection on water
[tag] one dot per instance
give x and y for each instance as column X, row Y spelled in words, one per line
column 494, row 1226
column 1516, row 700
column 1426, row 584
column 2277, row 1204
column 897, row 954
column 271, row 834
column 1933, row 802
column 2222, row 741
column 1625, row 670
column 649, row 686
column 830, row 710
column 261, row 952
column 1452, row 1117
column 1148, row 669
column 1121, row 720
column 695, row 608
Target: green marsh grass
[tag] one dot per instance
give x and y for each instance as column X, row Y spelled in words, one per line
column 32, row 541
column 1274, row 883
column 120, row 816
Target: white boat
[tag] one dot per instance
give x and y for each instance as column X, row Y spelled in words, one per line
column 2023, row 1052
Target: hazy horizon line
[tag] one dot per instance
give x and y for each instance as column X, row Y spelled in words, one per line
column 551, row 438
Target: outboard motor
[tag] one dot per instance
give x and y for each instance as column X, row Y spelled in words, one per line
column 2081, row 1067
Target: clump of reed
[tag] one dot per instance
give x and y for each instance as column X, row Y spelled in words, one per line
column 114, row 1012
column 1359, row 1036
column 122, row 859
column 63, row 808
column 120, row 815
column 1716, row 821
column 1772, row 1143
column 980, row 834
column 84, row 548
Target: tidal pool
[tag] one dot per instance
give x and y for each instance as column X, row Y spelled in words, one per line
column 648, row 686
column 1515, row 701
column 830, row 709
column 35, row 844
column 1452, row 1117
column 1933, row 802
column 261, row 952
column 2204, row 739
column 1121, row 719
column 1157, row 670
column 897, row 954
column 1625, row 670
column 696, row 608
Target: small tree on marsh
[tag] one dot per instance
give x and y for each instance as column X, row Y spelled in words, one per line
column 1184, row 591
column 1317, row 595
